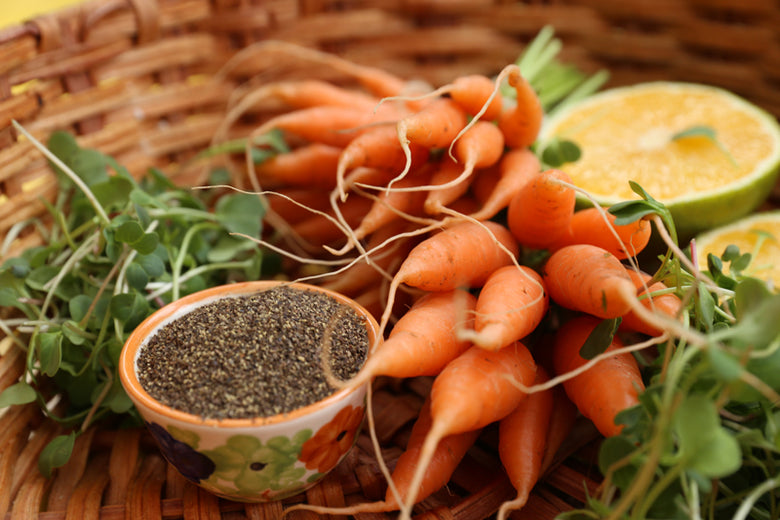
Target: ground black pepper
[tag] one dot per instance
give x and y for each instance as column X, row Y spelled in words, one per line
column 253, row 355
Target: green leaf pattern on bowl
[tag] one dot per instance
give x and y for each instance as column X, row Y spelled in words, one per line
column 187, row 437
column 251, row 466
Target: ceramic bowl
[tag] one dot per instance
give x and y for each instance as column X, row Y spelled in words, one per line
column 254, row 459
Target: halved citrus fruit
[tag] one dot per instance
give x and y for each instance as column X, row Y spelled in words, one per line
column 757, row 234
column 707, row 154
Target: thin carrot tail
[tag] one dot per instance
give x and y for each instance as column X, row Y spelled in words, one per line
column 405, row 146
column 511, row 505
column 391, row 295
column 365, row 507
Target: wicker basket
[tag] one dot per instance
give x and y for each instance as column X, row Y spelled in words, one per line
column 143, row 80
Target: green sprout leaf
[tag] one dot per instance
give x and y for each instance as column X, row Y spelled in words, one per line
column 129, row 232
column 694, row 131
column 128, row 307
column 113, row 193
column 704, row 444
column 17, row 393
column 91, row 166
column 558, row 152
column 49, row 352
column 630, row 211
column 151, row 264
column 612, row 456
column 136, row 277
column 749, row 295
column 759, row 327
column 147, row 244
column 241, row 213
column 56, row 453
column 706, row 132
column 600, row 338
column 228, row 248
column 725, row 366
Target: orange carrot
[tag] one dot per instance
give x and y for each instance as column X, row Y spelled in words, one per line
column 314, row 92
column 295, row 204
column 588, row 279
column 608, row 387
column 480, row 146
column 517, row 167
column 521, row 122
column 667, row 303
column 475, row 389
column 373, row 299
column 332, row 125
column 562, row 419
column 424, row 339
column 511, row 304
column 312, row 165
column 564, row 414
column 485, row 181
column 448, row 454
column 463, row 254
column 384, row 250
column 363, row 175
column 446, row 457
column 377, row 148
column 391, row 205
column 465, row 205
column 355, row 178
column 319, row 229
column 435, row 126
column 302, row 94
column 446, row 172
column 522, row 441
column 541, row 210
column 597, row 226
column 476, row 94
column 473, row 93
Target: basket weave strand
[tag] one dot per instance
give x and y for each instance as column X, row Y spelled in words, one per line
column 146, row 82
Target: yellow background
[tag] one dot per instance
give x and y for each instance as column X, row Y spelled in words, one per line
column 15, row 11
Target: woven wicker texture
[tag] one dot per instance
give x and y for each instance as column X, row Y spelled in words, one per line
column 150, row 82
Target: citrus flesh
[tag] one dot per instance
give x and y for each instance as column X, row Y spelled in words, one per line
column 757, row 234
column 710, row 156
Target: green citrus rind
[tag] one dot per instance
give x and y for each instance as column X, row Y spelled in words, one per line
column 707, row 208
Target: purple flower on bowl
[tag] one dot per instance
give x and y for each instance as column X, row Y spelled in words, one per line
column 192, row 464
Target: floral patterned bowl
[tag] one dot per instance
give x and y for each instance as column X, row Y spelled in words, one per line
column 253, row 459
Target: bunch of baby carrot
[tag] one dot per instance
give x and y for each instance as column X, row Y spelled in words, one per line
column 419, row 204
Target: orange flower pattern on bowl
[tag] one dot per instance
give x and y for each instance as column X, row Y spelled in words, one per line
column 326, row 448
